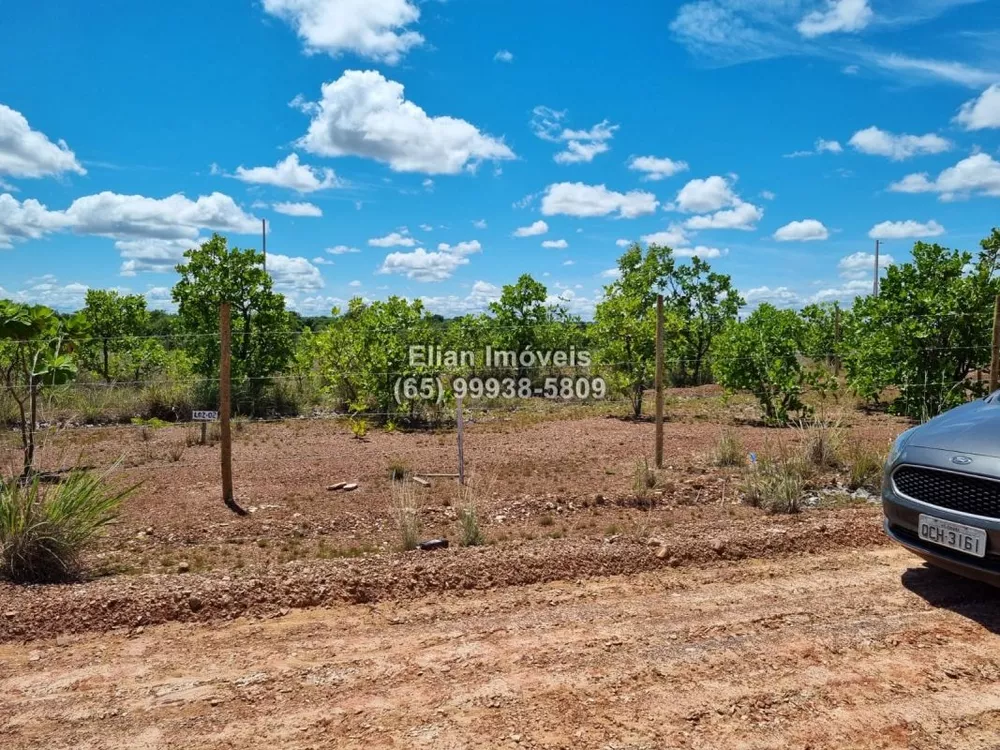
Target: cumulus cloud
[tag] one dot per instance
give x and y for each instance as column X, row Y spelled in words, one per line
column 719, row 205
column 581, row 145
column 291, row 174
column 780, row 296
column 393, row 239
column 897, row 147
column 504, row 55
column 28, row 153
column 293, row 274
column 47, row 290
column 700, row 251
column 479, row 224
column 861, row 265
column 29, row 220
column 673, row 236
column 898, row 230
column 174, row 217
column 821, row 146
column 625, row 243
column 978, row 174
column 478, row 300
column 342, row 250
column 838, row 16
column 364, row 114
column 532, row 230
column 982, row 112
column 656, row 168
column 151, row 255
column 802, row 231
column 578, row 199
column 421, row 265
column 555, row 244
column 298, row 209
column 376, row 29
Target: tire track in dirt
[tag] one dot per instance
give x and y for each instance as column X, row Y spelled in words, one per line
column 858, row 649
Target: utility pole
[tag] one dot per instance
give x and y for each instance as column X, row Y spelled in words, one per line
column 263, row 241
column 875, row 292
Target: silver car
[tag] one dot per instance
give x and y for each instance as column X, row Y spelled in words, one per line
column 941, row 490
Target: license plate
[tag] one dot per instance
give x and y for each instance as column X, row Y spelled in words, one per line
column 956, row 536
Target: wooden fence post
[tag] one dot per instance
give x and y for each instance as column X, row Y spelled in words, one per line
column 659, row 381
column 225, row 379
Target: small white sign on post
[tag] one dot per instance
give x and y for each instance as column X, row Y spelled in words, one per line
column 204, row 416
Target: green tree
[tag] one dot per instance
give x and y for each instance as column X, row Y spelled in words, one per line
column 760, row 355
column 261, row 333
column 704, row 302
column 928, row 329
column 820, row 329
column 36, row 351
column 624, row 330
column 113, row 319
column 366, row 349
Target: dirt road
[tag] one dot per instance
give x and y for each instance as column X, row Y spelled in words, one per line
column 860, row 649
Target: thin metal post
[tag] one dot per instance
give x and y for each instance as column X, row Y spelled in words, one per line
column 659, row 381
column 226, row 436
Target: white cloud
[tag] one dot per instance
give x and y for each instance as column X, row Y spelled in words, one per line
column 291, row 174
column 555, row 244
column 611, row 273
column 525, row 201
column 28, row 153
column 293, row 274
column 743, row 216
column 355, row 283
column 833, row 147
column 897, row 147
column 393, row 239
column 578, row 199
column 428, row 185
column 704, row 195
column 159, row 298
column 700, row 251
column 802, row 231
column 539, row 227
column 46, row 290
column 319, row 260
column 982, row 112
column 298, row 209
column 839, row 15
column 376, row 29
column 478, row 300
column 152, row 255
column 948, row 70
column 861, row 265
column 364, row 114
column 897, row 230
column 479, row 224
column 581, row 145
column 978, row 174
column 29, row 220
column 174, row 217
column 504, row 55
column 421, row 265
column 462, row 248
column 657, row 168
column 673, row 236
column 767, row 195
column 569, row 263
column 342, row 250
column 625, row 243
column 781, row 296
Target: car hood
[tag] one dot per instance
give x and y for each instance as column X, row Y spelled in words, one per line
column 973, row 428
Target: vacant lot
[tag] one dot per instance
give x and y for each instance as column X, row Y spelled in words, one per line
column 593, row 617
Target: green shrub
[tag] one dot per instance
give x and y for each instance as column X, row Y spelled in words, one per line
column 44, row 529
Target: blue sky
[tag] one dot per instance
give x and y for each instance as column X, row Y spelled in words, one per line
column 429, row 149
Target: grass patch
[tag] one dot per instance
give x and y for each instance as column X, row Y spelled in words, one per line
column 775, row 484
column 406, row 514
column 729, row 449
column 864, row 467
column 44, row 529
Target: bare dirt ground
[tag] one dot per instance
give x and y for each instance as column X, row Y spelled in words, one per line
column 858, row 649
